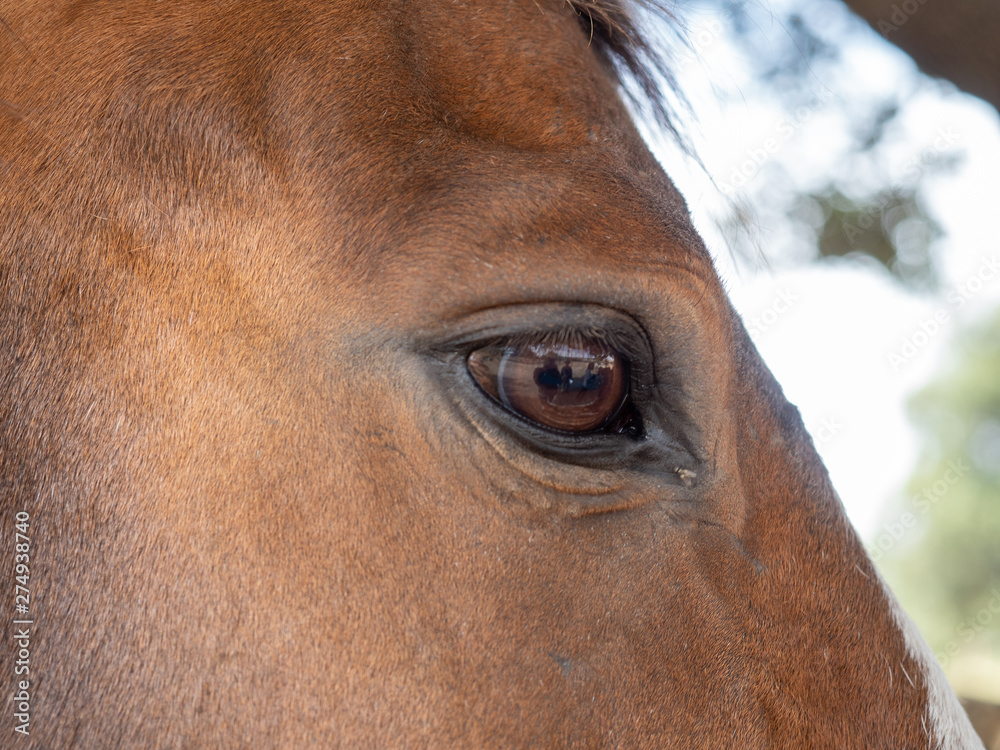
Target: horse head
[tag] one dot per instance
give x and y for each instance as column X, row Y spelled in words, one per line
column 367, row 384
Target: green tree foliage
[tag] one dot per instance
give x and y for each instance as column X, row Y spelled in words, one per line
column 941, row 550
column 891, row 226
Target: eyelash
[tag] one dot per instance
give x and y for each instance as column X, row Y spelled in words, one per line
column 571, row 337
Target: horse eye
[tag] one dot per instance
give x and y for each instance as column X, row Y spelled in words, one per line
column 573, row 387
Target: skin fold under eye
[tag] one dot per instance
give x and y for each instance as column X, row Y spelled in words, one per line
column 570, row 383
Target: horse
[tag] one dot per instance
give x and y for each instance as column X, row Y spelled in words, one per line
column 364, row 383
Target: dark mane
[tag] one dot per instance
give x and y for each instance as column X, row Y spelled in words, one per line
column 642, row 70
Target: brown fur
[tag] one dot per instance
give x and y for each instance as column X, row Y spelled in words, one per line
column 235, row 240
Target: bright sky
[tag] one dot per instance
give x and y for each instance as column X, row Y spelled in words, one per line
column 848, row 343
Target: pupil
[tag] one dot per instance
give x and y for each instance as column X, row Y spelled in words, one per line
column 548, row 377
column 551, row 378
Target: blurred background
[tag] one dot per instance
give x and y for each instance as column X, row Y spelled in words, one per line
column 851, row 202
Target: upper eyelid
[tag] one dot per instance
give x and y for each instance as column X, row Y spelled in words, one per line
column 534, row 321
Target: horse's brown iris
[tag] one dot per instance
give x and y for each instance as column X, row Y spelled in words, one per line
column 576, row 386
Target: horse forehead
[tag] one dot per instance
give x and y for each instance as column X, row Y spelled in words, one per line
column 365, row 104
column 507, row 59
column 516, row 71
